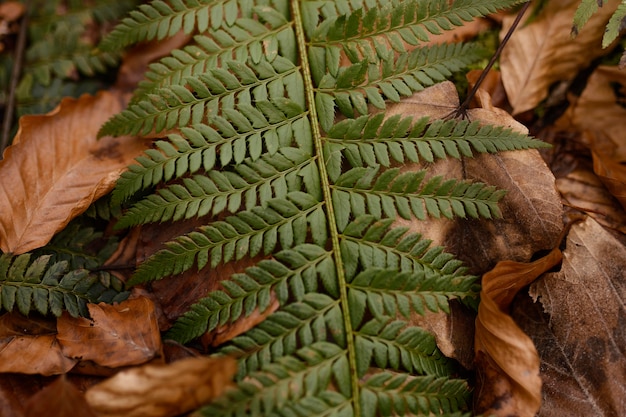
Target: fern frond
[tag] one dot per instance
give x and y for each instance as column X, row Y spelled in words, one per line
column 296, row 324
column 359, row 84
column 49, row 288
column 254, row 183
column 246, row 39
column 386, row 292
column 73, row 243
column 294, row 273
column 408, row 194
column 585, row 10
column 290, row 379
column 269, row 127
column 615, row 25
column 159, row 19
column 401, row 394
column 394, row 344
column 369, row 243
column 372, row 141
column 247, row 233
column 219, row 92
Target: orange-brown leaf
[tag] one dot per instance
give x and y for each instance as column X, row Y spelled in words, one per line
column 506, row 358
column 117, row 335
column 56, row 168
column 59, row 399
column 162, row 390
column 29, row 346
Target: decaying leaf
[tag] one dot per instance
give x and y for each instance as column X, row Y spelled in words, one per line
column 542, row 52
column 582, row 337
column 162, row 390
column 531, row 210
column 56, row 168
column 29, row 346
column 116, row 335
column 506, row 359
column 59, row 399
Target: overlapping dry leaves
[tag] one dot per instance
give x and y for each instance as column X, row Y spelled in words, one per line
column 556, row 349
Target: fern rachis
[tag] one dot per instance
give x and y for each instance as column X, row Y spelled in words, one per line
column 259, row 147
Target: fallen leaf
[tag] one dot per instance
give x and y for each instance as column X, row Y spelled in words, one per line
column 583, row 190
column 116, row 335
column 581, row 338
column 543, row 52
column 612, row 174
column 506, row 359
column 29, row 346
column 531, row 210
column 59, row 399
column 56, row 168
column 162, row 390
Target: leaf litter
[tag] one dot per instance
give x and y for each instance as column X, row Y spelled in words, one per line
column 479, row 243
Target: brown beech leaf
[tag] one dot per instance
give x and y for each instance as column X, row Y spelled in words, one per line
column 581, row 336
column 506, row 359
column 612, row 174
column 531, row 210
column 56, row 168
column 543, row 52
column 59, row 399
column 29, row 346
column 117, row 335
column 583, row 190
column 162, row 390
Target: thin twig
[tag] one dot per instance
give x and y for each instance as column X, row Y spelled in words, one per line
column 461, row 111
column 16, row 73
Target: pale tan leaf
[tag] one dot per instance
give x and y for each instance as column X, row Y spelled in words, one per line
column 543, row 52
column 506, row 359
column 581, row 338
column 162, row 390
column 56, row 168
column 116, row 335
column 59, row 399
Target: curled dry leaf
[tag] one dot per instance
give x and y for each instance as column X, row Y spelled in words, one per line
column 543, row 52
column 59, row 399
column 117, row 335
column 162, row 390
column 29, row 346
column 581, row 336
column 506, row 359
column 56, row 168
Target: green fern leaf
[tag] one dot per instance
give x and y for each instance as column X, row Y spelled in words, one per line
column 585, row 10
column 49, row 288
column 255, row 134
column 615, row 25
column 159, row 19
column 247, row 233
column 296, row 275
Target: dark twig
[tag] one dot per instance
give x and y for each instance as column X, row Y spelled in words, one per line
column 461, row 111
column 16, row 72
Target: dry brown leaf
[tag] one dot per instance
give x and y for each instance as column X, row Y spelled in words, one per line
column 59, row 399
column 532, row 211
column 583, row 190
column 29, row 346
column 162, row 390
column 543, row 52
column 56, row 168
column 581, row 338
column 612, row 174
column 506, row 359
column 117, row 335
